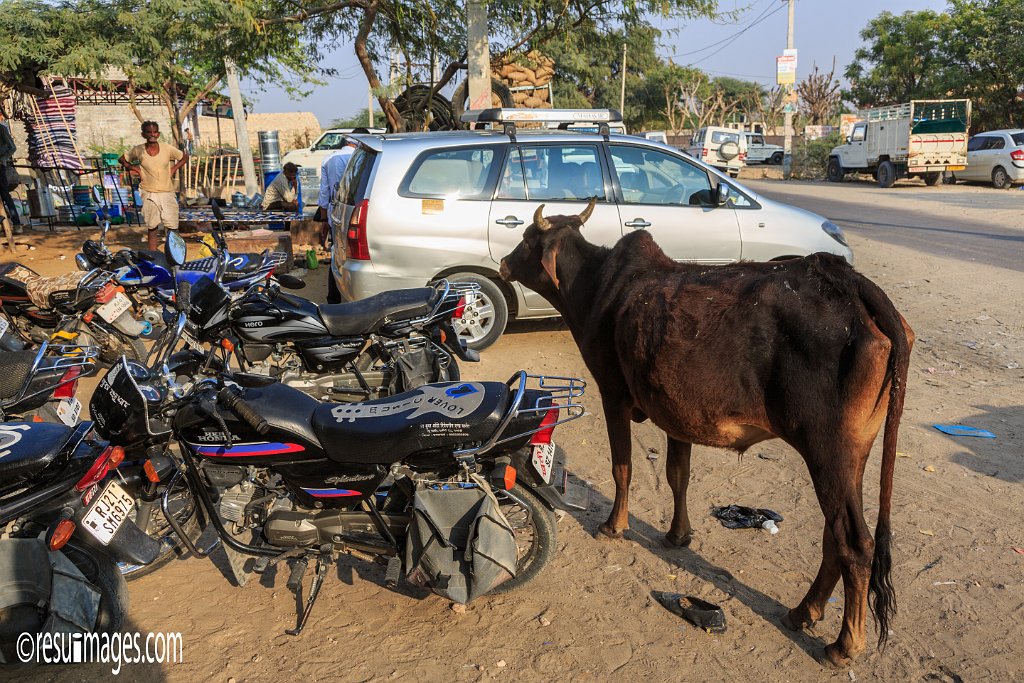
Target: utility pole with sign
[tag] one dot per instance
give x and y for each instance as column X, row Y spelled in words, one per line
column 479, row 55
column 786, row 76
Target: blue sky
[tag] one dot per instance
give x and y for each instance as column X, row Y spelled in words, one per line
column 823, row 29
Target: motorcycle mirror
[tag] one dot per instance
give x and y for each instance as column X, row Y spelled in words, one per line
column 82, row 262
column 175, row 249
column 290, row 281
column 217, row 213
column 97, row 194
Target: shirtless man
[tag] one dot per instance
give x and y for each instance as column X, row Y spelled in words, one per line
column 155, row 164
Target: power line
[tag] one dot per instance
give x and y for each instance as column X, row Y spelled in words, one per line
column 708, row 47
column 763, row 18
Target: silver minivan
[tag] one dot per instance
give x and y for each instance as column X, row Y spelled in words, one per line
column 415, row 207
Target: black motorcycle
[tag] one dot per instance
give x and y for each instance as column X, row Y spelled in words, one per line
column 75, row 308
column 42, row 384
column 66, row 522
column 367, row 349
column 282, row 477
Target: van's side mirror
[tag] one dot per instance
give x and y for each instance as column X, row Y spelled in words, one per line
column 848, row 139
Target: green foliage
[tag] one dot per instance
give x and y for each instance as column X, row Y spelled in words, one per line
column 811, row 156
column 974, row 50
column 360, row 120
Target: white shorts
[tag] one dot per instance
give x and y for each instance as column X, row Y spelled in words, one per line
column 160, row 208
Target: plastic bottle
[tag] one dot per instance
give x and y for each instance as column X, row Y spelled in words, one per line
column 769, row 526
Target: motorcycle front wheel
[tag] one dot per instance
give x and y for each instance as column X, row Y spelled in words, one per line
column 535, row 532
column 183, row 507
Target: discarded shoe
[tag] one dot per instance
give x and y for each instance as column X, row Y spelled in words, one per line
column 700, row 613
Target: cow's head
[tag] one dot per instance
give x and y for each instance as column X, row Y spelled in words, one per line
column 534, row 261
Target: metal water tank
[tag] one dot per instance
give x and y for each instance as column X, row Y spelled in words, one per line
column 270, row 150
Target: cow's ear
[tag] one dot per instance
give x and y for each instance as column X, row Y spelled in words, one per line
column 549, row 261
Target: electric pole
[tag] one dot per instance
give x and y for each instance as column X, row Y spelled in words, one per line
column 622, row 92
column 241, row 130
column 479, row 55
column 369, row 110
column 787, row 145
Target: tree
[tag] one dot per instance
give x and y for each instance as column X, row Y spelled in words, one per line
column 174, row 48
column 360, row 120
column 820, row 96
column 901, row 61
column 984, row 54
column 427, row 33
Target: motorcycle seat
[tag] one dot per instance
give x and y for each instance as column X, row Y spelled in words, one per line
column 15, row 367
column 27, row 448
column 37, row 287
column 434, row 416
column 284, row 408
column 369, row 315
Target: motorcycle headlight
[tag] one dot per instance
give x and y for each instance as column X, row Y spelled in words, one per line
column 835, row 232
column 82, row 262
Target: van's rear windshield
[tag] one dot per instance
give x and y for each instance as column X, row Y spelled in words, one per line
column 348, row 186
column 1018, row 138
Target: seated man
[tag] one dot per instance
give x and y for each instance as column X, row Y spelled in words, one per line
column 281, row 192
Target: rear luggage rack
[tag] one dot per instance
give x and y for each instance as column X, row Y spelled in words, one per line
column 448, row 302
column 563, row 393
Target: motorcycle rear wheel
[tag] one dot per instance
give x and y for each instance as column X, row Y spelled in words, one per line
column 535, row 531
column 112, row 345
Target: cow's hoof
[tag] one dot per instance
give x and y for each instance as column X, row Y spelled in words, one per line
column 798, row 619
column 835, row 658
column 673, row 541
column 610, row 532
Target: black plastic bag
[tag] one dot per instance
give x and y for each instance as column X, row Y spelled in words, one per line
column 742, row 517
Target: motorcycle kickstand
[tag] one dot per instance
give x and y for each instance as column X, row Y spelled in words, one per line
column 322, row 563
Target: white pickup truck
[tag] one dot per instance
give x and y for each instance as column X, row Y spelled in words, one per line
column 758, row 151
column 919, row 138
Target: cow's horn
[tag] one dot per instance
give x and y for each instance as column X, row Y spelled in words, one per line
column 539, row 220
column 587, row 211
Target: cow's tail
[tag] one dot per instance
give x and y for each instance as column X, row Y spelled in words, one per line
column 890, row 323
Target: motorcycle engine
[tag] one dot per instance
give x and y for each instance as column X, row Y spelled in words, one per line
column 234, row 500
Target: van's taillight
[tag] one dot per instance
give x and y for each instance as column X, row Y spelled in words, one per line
column 1017, row 155
column 460, row 308
column 743, row 155
column 355, row 243
column 68, row 383
column 704, row 152
column 547, row 427
column 109, row 459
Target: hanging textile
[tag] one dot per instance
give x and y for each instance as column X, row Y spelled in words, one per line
column 50, row 122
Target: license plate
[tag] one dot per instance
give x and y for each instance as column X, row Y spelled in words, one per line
column 113, row 309
column 956, row 168
column 108, row 512
column 918, row 169
column 544, row 460
column 68, row 411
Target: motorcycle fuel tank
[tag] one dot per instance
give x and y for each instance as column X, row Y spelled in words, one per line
column 257, row 318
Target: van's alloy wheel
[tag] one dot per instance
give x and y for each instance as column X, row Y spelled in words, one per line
column 485, row 318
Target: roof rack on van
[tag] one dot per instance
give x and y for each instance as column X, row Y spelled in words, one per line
column 563, row 117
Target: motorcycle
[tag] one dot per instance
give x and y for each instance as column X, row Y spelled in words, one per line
column 65, row 523
column 282, row 477
column 88, row 309
column 41, row 385
column 150, row 278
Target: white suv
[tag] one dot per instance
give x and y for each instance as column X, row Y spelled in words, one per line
column 412, row 208
column 722, row 148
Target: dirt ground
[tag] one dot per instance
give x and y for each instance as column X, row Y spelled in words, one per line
column 958, row 573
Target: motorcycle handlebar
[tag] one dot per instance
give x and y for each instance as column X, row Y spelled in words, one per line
column 230, row 399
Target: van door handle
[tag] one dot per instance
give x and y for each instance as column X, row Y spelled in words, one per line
column 509, row 221
column 638, row 223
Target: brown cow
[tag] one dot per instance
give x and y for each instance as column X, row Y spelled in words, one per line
column 806, row 350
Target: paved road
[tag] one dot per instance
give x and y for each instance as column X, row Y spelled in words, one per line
column 969, row 223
